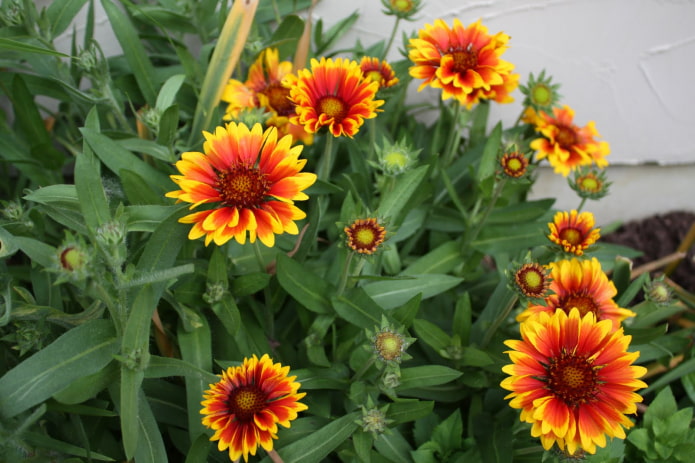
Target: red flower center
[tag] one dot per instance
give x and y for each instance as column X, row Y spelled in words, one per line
column 333, row 107
column 572, row 236
column 566, row 137
column 465, row 59
column 278, row 99
column 242, row 186
column 572, row 379
column 245, row 401
column 583, row 302
column 365, row 236
column 531, row 280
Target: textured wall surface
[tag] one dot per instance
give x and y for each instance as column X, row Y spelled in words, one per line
column 626, row 64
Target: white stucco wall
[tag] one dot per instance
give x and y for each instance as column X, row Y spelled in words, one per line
column 626, row 64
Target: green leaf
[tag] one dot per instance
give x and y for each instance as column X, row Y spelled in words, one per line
column 521, row 212
column 137, row 190
column 61, row 14
column 431, row 334
column 45, row 442
column 196, row 349
column 163, row 367
column 199, row 450
column 90, row 191
column 117, row 158
column 406, row 410
column 31, row 125
column 427, row 375
column 303, row 285
column 358, row 308
column 286, row 35
column 397, row 199
column 135, row 357
column 77, row 353
column 488, row 161
column 23, row 47
column 250, row 283
column 150, row 445
column 510, row 238
column 391, row 294
column 89, row 386
column 681, row 370
column 227, row 312
column 663, row 406
column 167, row 94
column 146, row 218
column 442, row 259
column 133, row 49
column 316, row 446
column 394, row 446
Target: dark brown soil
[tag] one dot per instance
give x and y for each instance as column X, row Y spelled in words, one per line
column 658, row 236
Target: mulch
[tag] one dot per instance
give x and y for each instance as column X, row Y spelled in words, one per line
column 658, row 236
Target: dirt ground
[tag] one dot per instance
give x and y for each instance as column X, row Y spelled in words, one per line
column 657, row 236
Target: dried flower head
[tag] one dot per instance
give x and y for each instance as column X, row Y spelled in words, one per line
column 364, row 236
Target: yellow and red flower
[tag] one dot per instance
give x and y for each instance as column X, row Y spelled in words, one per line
column 378, row 71
column 573, row 379
column 249, row 178
column 267, row 86
column 583, row 285
column 333, row 94
column 573, row 231
column 514, row 164
column 463, row 61
column 565, row 145
column 532, row 280
column 364, row 236
column 248, row 402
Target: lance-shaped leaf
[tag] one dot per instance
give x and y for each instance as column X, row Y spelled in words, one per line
column 226, row 55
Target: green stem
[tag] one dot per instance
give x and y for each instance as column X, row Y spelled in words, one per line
column 581, row 205
column 371, row 153
column 267, row 312
column 478, row 225
column 358, row 374
column 344, row 275
column 390, row 42
column 326, row 160
column 454, row 137
column 498, row 321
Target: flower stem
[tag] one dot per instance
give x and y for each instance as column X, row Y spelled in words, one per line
column 358, row 374
column 581, row 205
column 344, row 275
column 275, row 457
column 479, row 222
column 498, row 321
column 326, row 160
column 454, row 137
column 267, row 312
column 390, row 42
